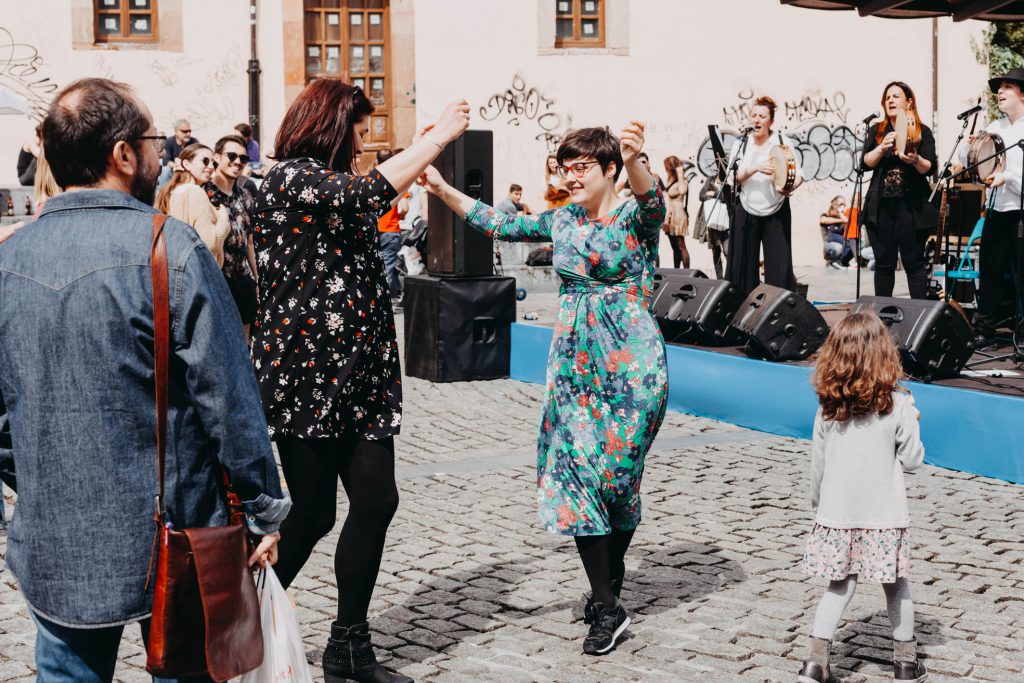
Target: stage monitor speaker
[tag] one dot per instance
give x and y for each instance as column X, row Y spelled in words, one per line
column 780, row 324
column 696, row 310
column 661, row 273
column 458, row 329
column 454, row 248
column 934, row 338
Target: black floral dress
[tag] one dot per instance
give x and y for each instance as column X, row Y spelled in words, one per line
column 324, row 347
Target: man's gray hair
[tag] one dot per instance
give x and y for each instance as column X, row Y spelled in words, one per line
column 179, row 123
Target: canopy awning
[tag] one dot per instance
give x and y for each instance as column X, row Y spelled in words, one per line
column 960, row 10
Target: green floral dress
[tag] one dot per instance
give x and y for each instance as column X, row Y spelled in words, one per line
column 607, row 380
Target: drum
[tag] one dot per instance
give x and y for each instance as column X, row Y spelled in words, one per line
column 984, row 146
column 908, row 132
column 783, row 160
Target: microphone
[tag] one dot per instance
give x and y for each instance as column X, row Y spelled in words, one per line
column 970, row 112
column 746, row 130
column 870, row 117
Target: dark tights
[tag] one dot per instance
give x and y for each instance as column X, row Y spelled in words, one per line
column 312, row 468
column 680, row 255
column 604, row 559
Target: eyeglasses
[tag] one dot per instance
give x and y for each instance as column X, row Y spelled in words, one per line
column 156, row 140
column 205, row 161
column 185, row 131
column 234, row 156
column 577, row 169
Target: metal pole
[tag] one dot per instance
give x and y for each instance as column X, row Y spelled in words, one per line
column 935, row 76
column 254, row 75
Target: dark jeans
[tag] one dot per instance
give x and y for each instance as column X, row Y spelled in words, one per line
column 83, row 655
column 390, row 243
column 747, row 236
column 896, row 236
column 1000, row 258
column 838, row 249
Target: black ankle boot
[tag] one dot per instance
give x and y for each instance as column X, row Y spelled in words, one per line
column 349, row 657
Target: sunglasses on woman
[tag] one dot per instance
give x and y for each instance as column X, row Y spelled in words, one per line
column 234, row 156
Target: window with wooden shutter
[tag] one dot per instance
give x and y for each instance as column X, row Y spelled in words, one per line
column 125, row 21
column 579, row 23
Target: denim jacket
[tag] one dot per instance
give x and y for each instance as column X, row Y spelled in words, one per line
column 76, row 375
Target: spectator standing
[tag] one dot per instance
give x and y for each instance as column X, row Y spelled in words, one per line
column 712, row 224
column 28, row 157
column 81, row 542
column 252, row 148
column 181, row 139
column 224, row 189
column 555, row 192
column 389, row 227
column 184, row 198
column 677, row 223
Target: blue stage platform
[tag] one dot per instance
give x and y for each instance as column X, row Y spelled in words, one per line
column 963, row 429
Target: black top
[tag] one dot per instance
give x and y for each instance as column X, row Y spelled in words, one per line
column 26, row 167
column 240, row 205
column 324, row 346
column 893, row 178
column 172, row 150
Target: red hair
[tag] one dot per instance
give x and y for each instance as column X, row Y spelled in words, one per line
column 319, row 124
column 858, row 368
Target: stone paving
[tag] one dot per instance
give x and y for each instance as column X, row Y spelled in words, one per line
column 473, row 590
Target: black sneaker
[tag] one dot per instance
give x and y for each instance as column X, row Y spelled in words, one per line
column 983, row 341
column 588, row 609
column 609, row 623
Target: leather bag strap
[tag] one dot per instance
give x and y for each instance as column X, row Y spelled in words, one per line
column 161, row 346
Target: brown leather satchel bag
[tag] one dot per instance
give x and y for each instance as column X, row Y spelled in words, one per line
column 206, row 614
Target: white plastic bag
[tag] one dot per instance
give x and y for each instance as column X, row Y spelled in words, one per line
column 284, row 657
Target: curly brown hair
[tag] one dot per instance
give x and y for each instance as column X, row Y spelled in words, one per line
column 858, row 369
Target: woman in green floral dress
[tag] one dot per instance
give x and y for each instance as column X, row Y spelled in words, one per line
column 607, row 379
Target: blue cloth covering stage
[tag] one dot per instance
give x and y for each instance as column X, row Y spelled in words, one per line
column 964, row 430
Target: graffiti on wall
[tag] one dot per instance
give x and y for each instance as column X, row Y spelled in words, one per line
column 521, row 104
column 827, row 147
column 20, row 65
column 210, row 106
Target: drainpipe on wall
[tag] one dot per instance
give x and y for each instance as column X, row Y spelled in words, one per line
column 935, row 76
column 254, row 75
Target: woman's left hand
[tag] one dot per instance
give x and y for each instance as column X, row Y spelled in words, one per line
column 911, row 159
column 266, row 552
column 631, row 141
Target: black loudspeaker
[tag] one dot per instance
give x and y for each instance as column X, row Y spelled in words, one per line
column 696, row 310
column 454, row 248
column 780, row 324
column 661, row 273
column 458, row 329
column 934, row 338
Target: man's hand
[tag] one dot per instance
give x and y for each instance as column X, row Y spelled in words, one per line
column 266, row 552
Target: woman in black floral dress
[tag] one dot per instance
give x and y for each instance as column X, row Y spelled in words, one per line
column 324, row 348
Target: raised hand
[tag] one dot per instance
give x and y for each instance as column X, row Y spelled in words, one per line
column 453, row 121
column 631, row 141
column 432, row 181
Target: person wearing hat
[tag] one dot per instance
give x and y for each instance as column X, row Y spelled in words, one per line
column 1000, row 243
column 897, row 214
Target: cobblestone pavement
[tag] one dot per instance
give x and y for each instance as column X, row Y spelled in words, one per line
column 473, row 590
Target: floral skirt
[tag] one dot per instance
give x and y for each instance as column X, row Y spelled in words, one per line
column 875, row 555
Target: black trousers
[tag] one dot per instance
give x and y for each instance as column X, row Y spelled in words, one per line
column 999, row 263
column 748, row 234
column 896, row 236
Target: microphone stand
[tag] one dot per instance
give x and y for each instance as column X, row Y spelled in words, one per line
column 855, row 206
column 949, row 162
column 733, row 169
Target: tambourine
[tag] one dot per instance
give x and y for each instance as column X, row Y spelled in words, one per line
column 984, row 146
column 908, row 132
column 783, row 160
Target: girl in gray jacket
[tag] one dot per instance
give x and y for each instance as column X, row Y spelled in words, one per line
column 866, row 434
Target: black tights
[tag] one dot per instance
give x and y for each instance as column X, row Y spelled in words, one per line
column 312, row 468
column 680, row 255
column 604, row 559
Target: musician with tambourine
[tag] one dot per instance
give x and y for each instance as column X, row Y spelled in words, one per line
column 768, row 172
column 900, row 150
column 1000, row 248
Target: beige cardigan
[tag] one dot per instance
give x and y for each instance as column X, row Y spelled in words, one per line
column 189, row 204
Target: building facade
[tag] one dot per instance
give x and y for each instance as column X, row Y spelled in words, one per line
column 531, row 69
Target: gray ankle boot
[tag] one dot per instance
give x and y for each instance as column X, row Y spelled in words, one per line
column 905, row 664
column 816, row 667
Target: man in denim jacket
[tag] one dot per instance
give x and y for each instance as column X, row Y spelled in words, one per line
column 76, row 375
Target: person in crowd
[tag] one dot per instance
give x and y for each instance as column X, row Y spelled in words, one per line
column 555, row 194
column 1001, row 270
column 512, row 204
column 625, row 191
column 594, row 438
column 762, row 218
column 390, row 231
column 224, row 189
column 45, row 184
column 414, row 232
column 82, row 539
column 712, row 224
column 897, row 214
column 252, row 147
column 184, row 198
column 838, row 249
column 866, row 435
column 181, row 139
column 677, row 222
column 28, row 157
column 325, row 349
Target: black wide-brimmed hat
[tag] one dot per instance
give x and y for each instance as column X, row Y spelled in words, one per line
column 1015, row 75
